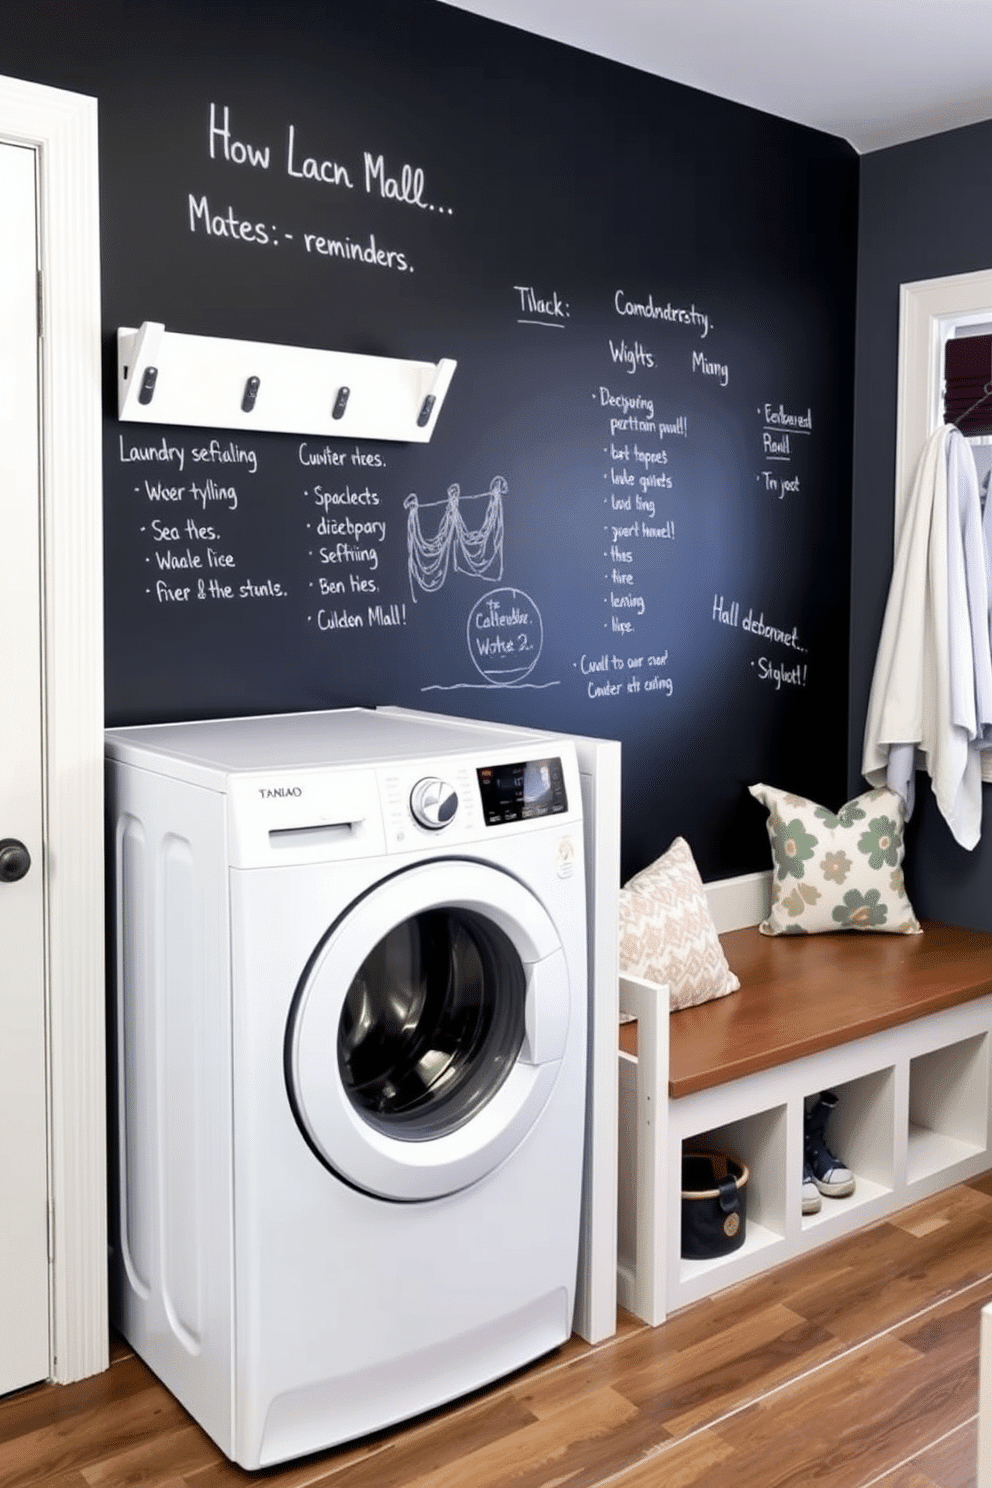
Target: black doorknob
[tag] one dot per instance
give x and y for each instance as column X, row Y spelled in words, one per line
column 15, row 860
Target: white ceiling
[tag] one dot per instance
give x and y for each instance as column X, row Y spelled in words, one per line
column 875, row 72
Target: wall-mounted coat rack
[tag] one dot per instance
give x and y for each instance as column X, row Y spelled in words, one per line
column 167, row 378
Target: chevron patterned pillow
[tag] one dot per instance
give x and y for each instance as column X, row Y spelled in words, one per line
column 667, row 933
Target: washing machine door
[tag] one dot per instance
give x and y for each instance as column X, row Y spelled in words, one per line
column 428, row 1029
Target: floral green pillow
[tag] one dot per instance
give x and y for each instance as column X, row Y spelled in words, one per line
column 838, row 871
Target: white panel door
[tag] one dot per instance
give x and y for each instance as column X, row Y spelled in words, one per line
column 24, row 1285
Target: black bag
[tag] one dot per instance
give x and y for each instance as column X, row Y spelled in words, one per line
column 714, row 1204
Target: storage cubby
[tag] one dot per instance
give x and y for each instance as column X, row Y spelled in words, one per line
column 860, row 1133
column 948, row 1106
column 760, row 1142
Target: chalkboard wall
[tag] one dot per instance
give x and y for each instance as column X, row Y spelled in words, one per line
column 633, row 518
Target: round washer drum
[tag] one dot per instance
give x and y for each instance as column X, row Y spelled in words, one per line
column 426, row 1032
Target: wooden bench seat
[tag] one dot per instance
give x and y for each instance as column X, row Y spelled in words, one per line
column 801, row 994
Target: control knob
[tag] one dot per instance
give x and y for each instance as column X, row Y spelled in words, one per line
column 433, row 803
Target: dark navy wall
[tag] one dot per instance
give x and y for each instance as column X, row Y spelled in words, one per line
column 925, row 213
column 650, row 296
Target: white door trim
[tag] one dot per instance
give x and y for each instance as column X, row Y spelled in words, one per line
column 62, row 127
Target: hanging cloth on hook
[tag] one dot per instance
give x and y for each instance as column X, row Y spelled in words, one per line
column 932, row 687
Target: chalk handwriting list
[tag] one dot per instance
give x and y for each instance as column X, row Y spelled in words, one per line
column 637, row 475
column 347, row 536
column 194, row 559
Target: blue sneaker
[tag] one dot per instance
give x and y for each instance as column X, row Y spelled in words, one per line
column 829, row 1174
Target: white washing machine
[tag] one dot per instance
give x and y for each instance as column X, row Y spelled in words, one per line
column 351, row 1055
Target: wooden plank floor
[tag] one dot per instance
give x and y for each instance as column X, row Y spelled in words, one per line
column 849, row 1368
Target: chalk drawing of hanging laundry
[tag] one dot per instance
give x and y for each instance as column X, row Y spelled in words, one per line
column 476, row 550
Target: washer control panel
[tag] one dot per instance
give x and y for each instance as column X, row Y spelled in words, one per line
column 522, row 790
column 461, row 799
column 433, row 803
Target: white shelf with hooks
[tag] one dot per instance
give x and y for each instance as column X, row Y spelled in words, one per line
column 164, row 377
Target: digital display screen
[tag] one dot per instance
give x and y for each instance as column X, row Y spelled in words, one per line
column 520, row 792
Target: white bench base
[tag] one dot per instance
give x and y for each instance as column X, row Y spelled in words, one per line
column 914, row 1117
